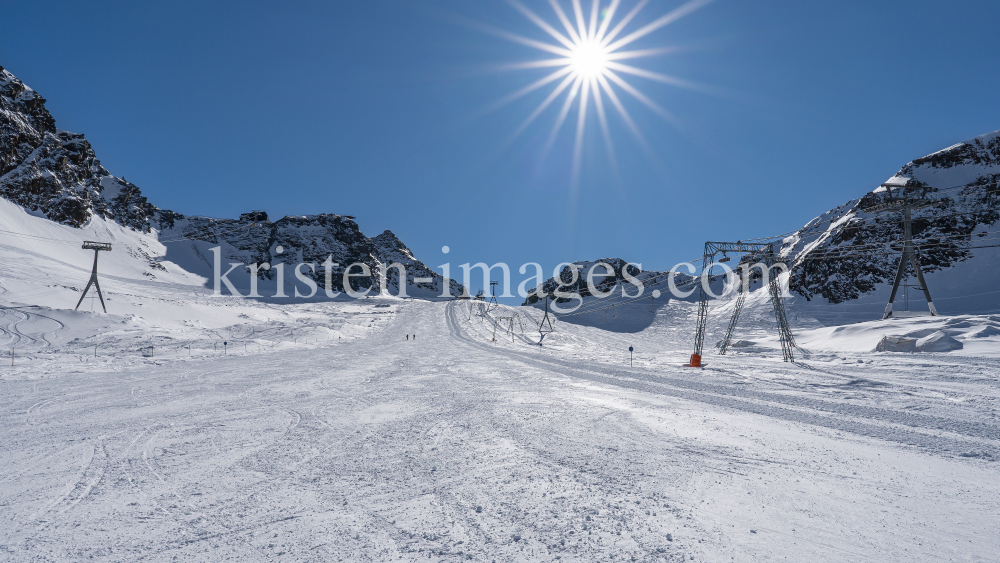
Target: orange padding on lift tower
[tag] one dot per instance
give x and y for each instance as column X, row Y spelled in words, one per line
column 696, row 360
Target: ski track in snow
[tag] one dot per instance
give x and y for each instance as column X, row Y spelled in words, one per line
column 879, row 423
column 187, row 427
column 453, row 447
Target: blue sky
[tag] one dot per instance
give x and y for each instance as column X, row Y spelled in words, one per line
column 376, row 109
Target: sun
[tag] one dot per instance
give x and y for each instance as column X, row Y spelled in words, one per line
column 588, row 69
column 588, row 59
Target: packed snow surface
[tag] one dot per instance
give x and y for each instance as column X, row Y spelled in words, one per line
column 185, row 427
column 181, row 426
column 327, row 432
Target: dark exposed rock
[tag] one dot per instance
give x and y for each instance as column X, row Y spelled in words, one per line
column 388, row 249
column 56, row 174
column 849, row 251
column 602, row 283
column 312, row 239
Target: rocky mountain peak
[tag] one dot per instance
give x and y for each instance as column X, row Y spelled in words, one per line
column 851, row 251
column 55, row 174
column 20, row 100
column 982, row 151
column 390, row 243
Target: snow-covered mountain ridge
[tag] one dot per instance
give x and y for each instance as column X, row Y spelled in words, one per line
column 845, row 253
column 294, row 240
column 842, row 263
column 55, row 174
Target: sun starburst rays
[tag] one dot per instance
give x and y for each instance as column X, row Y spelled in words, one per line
column 587, row 49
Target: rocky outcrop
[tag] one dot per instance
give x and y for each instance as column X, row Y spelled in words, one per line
column 387, row 249
column 311, row 239
column 850, row 251
column 56, row 174
column 570, row 284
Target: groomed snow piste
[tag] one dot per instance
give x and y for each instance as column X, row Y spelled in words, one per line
column 326, row 432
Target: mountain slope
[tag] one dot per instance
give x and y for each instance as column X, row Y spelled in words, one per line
column 850, row 252
column 293, row 240
column 843, row 262
column 55, row 174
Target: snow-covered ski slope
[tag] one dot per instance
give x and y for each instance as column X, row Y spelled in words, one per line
column 302, row 446
column 189, row 427
column 185, row 427
column 181, row 426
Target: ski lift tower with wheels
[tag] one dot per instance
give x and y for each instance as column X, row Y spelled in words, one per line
column 97, row 247
column 542, row 329
column 492, row 304
column 906, row 199
column 762, row 253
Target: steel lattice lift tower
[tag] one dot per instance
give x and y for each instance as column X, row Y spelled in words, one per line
column 764, row 254
column 508, row 323
column 492, row 304
column 906, row 199
column 545, row 320
column 97, row 247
